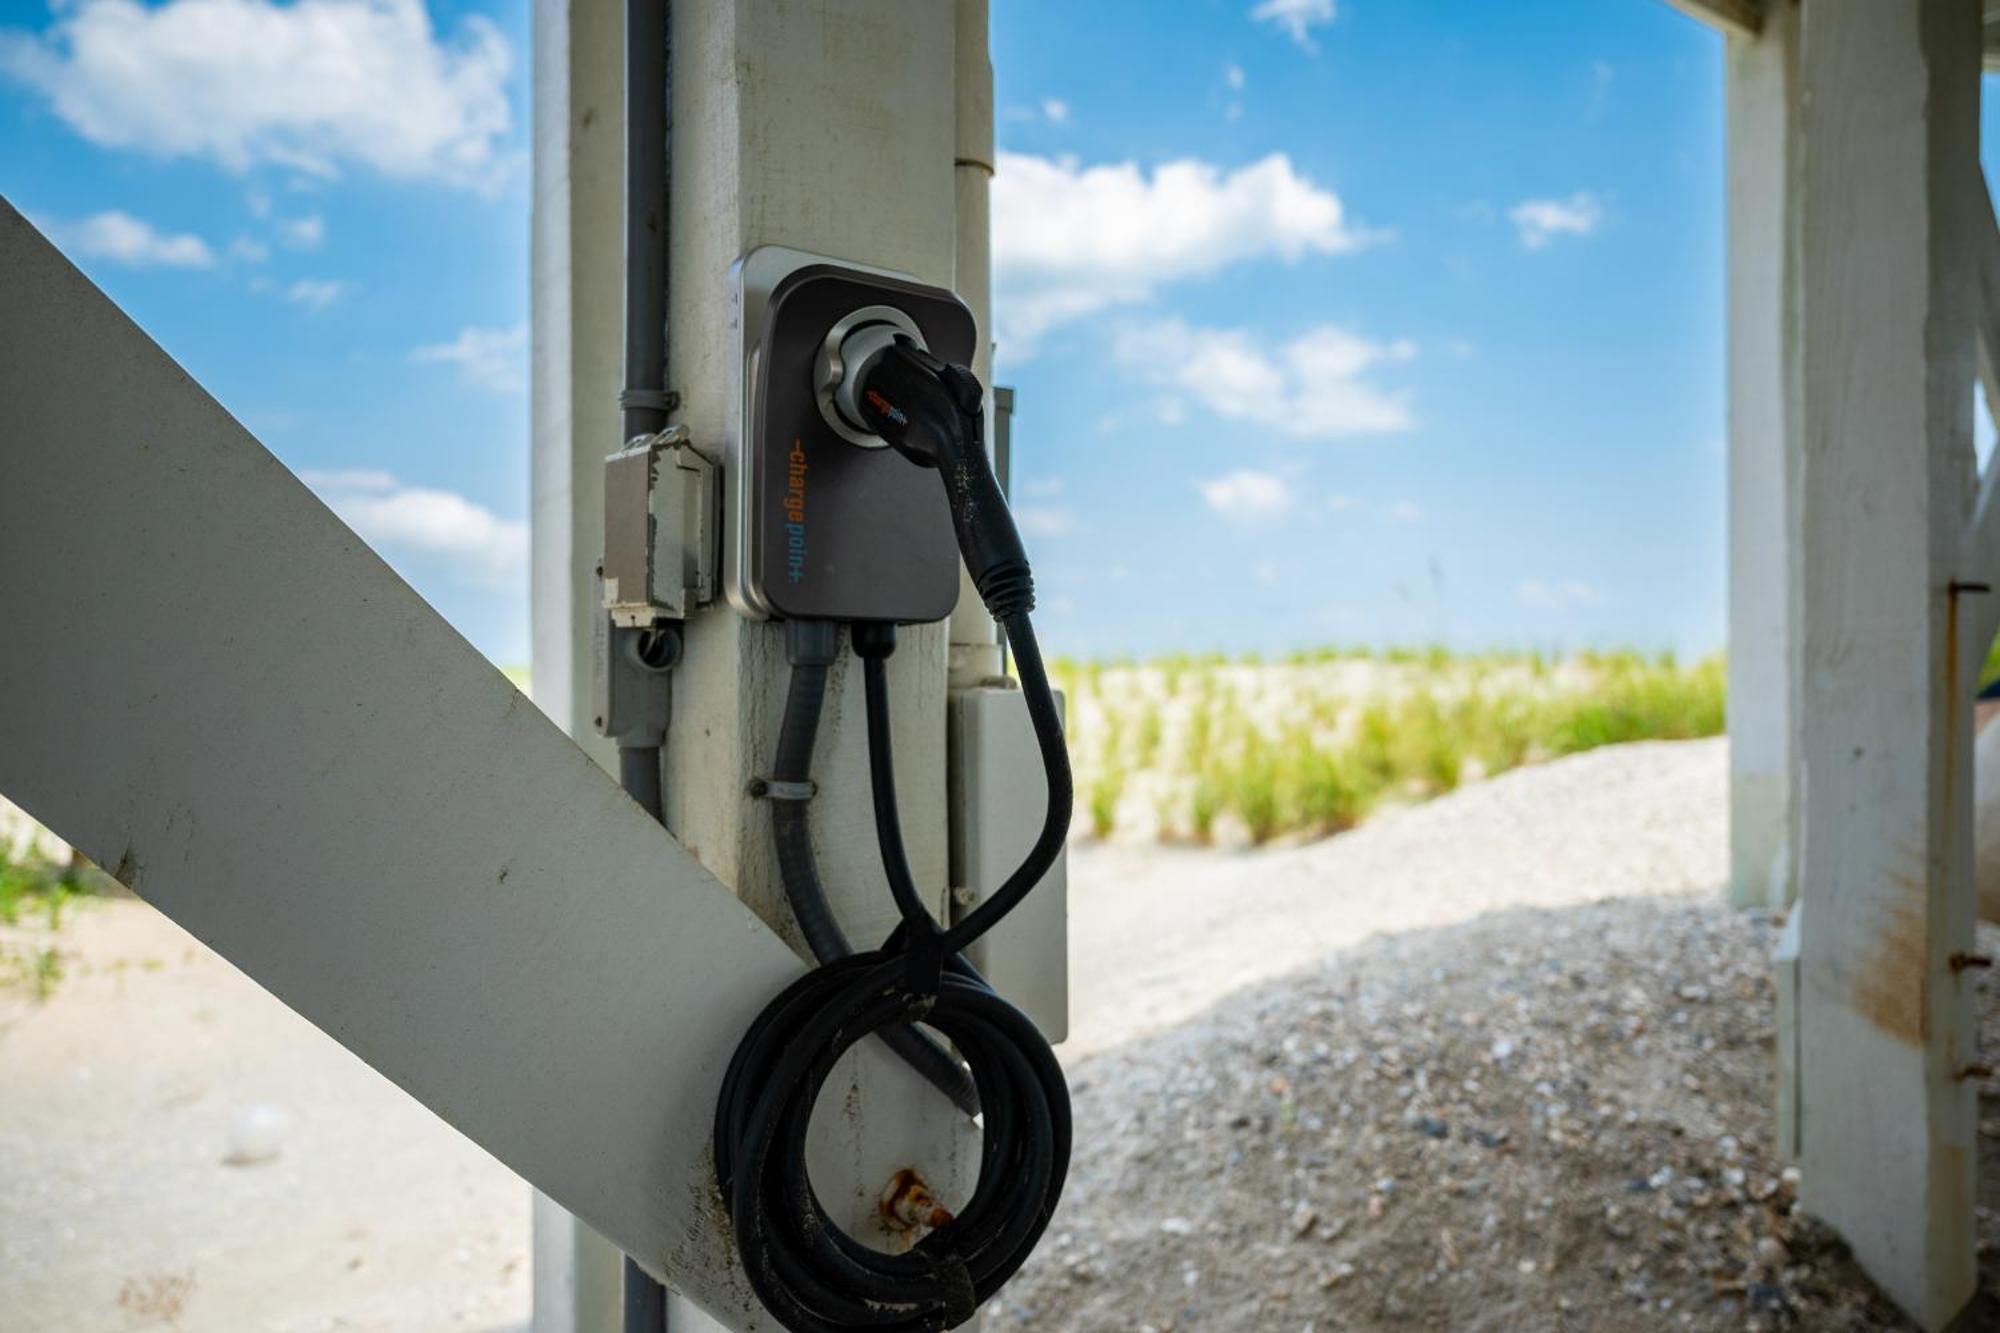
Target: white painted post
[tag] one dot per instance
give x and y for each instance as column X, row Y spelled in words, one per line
column 975, row 639
column 1888, row 116
column 1761, row 89
column 832, row 129
column 834, row 135
column 576, row 289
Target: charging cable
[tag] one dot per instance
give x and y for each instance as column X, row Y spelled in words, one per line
column 811, row 1275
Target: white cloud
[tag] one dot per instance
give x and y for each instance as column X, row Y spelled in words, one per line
column 1313, row 387
column 1071, row 240
column 1295, row 18
column 124, row 239
column 1556, row 594
column 472, row 541
column 314, row 86
column 1542, row 220
column 315, row 293
column 1247, row 496
column 1233, row 76
column 1406, row 511
column 490, row 358
column 1601, row 76
column 1055, row 109
column 249, row 249
column 1044, row 520
column 306, row 233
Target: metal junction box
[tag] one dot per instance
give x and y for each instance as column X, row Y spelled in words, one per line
column 660, row 520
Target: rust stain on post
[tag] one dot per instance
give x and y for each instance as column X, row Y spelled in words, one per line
column 1890, row 991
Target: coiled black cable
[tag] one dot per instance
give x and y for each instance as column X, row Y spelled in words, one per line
column 811, row 646
column 812, row 1276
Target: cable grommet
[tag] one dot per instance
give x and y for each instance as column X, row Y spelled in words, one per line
column 770, row 789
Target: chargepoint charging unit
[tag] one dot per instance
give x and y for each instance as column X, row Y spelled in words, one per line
column 852, row 481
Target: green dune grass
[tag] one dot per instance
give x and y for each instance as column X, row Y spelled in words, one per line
column 1312, row 744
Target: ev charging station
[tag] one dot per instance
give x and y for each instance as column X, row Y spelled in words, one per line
column 787, row 514
column 857, row 478
column 839, row 187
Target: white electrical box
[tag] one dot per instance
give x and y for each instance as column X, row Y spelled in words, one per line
column 998, row 802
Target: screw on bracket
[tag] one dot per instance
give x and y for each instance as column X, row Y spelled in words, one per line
column 1960, row 961
column 1975, row 1070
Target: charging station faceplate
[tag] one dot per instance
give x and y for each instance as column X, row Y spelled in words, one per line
column 827, row 528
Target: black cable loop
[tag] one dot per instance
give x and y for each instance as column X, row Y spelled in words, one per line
column 812, row 1276
column 797, row 867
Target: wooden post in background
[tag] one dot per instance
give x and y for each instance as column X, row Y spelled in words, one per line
column 1761, row 82
column 1888, row 125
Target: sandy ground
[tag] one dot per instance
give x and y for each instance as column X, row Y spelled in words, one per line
column 1158, row 934
column 121, row 1098
column 1342, row 973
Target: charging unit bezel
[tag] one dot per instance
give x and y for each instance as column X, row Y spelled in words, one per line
column 911, row 588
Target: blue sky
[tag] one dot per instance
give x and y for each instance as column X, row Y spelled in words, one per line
column 1370, row 322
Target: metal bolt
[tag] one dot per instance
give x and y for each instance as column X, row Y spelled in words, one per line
column 908, row 1203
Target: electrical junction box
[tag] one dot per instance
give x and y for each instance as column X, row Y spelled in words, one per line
column 998, row 801
column 825, row 522
column 660, row 520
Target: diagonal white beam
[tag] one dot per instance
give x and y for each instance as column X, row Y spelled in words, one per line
column 217, row 691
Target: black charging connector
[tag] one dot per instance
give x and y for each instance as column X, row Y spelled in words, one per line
column 933, row 413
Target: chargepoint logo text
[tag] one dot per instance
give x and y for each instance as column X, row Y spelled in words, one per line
column 795, row 513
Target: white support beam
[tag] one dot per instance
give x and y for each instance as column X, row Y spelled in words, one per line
column 1888, row 112
column 1761, row 79
column 834, row 135
column 1736, row 18
column 975, row 639
column 1980, row 563
column 828, row 128
column 235, row 706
